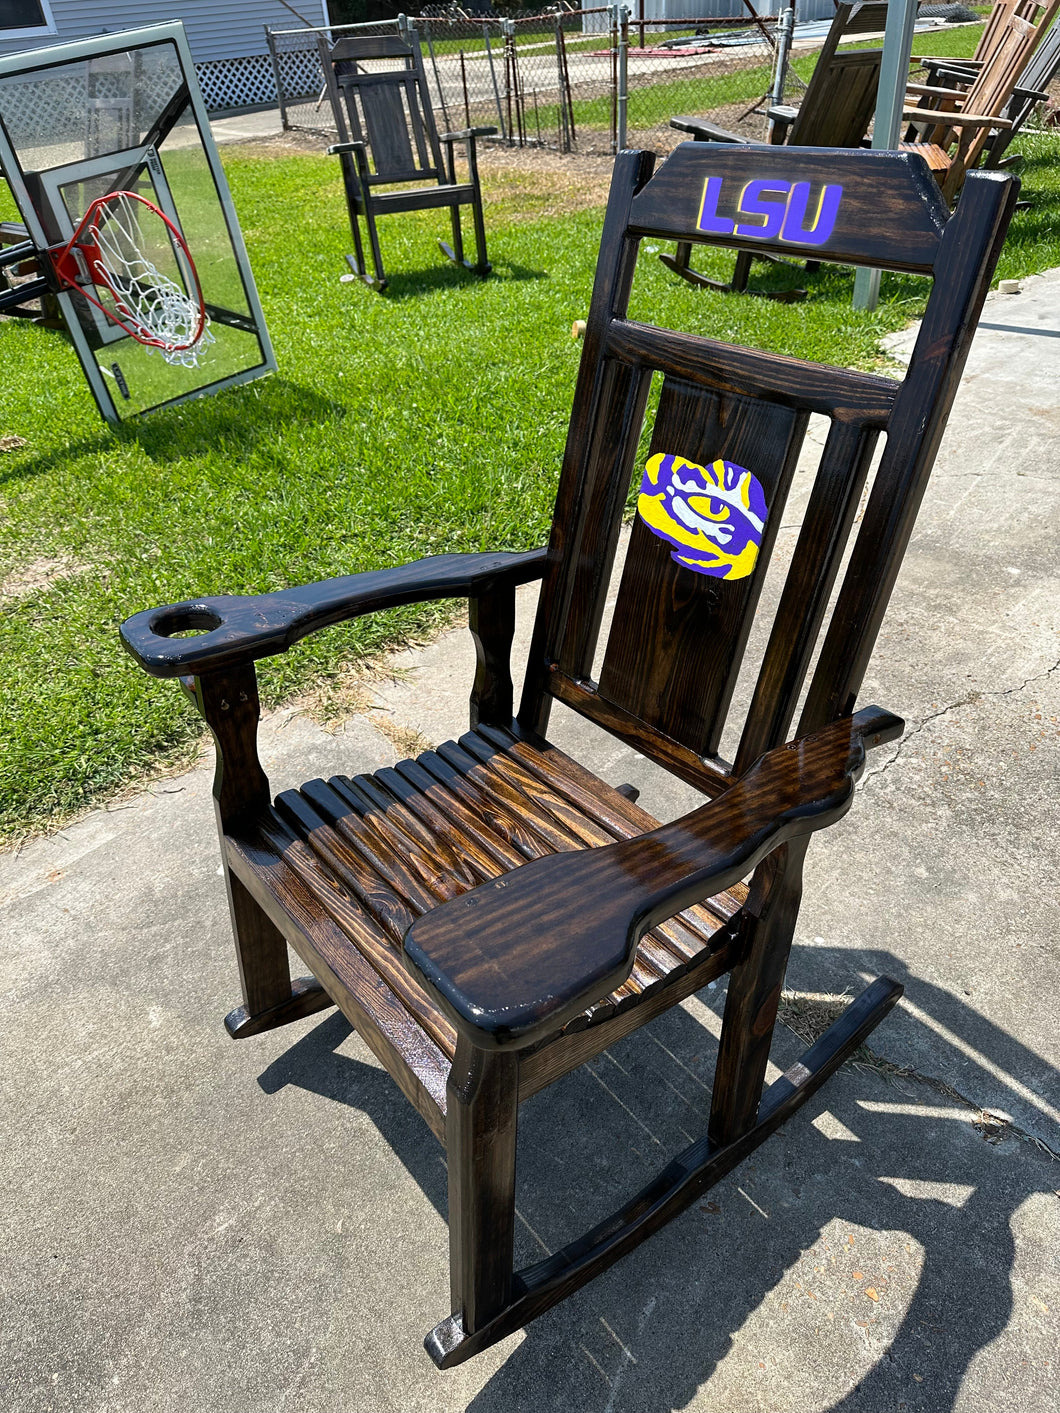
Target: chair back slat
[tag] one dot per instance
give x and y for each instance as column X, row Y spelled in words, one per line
column 677, row 638
column 838, row 106
column 711, row 487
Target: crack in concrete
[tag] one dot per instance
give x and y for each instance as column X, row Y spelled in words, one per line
column 991, row 1123
column 968, row 700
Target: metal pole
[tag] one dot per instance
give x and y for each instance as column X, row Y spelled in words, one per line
column 493, row 76
column 887, row 125
column 561, row 96
column 623, row 74
column 275, row 60
column 785, row 26
column 640, row 21
column 437, row 77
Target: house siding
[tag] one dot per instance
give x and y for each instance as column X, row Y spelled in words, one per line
column 227, row 40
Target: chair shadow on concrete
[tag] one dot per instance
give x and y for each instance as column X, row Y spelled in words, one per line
column 887, row 1183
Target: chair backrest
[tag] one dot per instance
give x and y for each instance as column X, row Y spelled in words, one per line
column 1044, row 62
column 838, row 104
column 840, row 100
column 995, row 23
column 726, row 437
column 385, row 103
column 1015, row 36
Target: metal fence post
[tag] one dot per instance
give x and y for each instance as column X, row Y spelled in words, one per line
column 275, row 61
column 493, row 76
column 561, row 92
column 785, row 25
column 623, row 74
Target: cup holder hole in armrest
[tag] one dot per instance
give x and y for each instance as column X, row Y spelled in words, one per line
column 186, row 622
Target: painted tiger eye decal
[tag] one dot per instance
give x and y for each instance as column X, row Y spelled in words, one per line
column 714, row 515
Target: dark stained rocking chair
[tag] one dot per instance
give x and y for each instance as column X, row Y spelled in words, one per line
column 835, row 111
column 384, row 114
column 491, row 915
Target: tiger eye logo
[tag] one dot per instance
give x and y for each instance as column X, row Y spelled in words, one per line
column 715, row 515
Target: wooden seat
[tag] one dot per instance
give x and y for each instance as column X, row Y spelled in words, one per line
column 835, row 111
column 492, row 915
column 388, row 137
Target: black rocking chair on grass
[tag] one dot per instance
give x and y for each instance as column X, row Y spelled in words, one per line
column 835, row 111
column 491, row 915
column 386, row 113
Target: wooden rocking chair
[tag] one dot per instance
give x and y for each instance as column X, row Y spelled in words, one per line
column 836, row 111
column 491, row 915
column 1031, row 90
column 386, row 113
column 952, row 126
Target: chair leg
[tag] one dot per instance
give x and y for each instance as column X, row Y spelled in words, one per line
column 270, row 997
column 455, row 252
column 480, row 1128
column 754, row 994
column 377, row 256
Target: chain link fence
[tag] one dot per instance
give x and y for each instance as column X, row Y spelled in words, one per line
column 573, row 79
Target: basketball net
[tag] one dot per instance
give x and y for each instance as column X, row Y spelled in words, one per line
column 109, row 251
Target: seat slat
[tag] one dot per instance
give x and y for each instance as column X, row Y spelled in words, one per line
column 354, row 867
column 371, row 942
column 654, row 962
column 622, row 817
column 683, row 942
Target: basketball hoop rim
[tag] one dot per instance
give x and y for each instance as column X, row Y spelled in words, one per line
column 67, row 271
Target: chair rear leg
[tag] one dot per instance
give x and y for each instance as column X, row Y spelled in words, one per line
column 480, row 1129
column 377, row 255
column 754, row 994
column 455, row 252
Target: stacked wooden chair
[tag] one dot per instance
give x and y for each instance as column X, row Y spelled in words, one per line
column 492, row 915
column 1031, row 90
column 836, row 111
column 388, row 138
column 952, row 124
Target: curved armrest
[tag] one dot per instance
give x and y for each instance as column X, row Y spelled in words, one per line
column 510, row 961
column 703, row 131
column 466, row 134
column 338, row 148
column 232, row 630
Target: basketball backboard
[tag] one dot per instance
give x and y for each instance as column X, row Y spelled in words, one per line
column 123, row 112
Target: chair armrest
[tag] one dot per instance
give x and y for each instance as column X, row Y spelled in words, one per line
column 703, row 131
column 235, row 630
column 466, row 134
column 936, row 91
column 953, row 120
column 1037, row 94
column 338, row 148
column 510, row 961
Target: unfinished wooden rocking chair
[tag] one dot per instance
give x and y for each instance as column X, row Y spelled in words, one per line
column 951, row 127
column 491, row 915
column 387, row 137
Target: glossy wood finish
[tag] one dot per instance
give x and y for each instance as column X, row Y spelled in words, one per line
column 681, row 1182
column 539, row 904
column 231, row 630
column 506, row 977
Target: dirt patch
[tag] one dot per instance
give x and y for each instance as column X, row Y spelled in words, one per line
column 37, row 577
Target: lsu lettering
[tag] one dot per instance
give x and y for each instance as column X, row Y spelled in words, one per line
column 771, row 209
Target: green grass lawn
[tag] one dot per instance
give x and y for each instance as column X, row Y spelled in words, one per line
column 425, row 420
